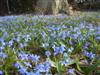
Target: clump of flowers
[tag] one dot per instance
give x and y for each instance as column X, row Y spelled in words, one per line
column 48, row 45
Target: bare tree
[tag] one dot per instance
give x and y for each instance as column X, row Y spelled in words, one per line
column 7, row 2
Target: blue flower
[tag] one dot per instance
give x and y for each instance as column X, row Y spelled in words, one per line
column 31, row 73
column 57, row 29
column 59, row 49
column 22, row 71
column 27, row 64
column 27, row 38
column 75, row 36
column 21, row 45
column 62, row 35
column 63, row 26
column 34, row 58
column 71, row 43
column 53, row 35
column 86, row 45
column 89, row 54
column 68, row 33
column 71, row 71
column 16, row 65
column 3, row 55
column 47, row 53
column 5, row 34
column 1, row 72
column 97, row 37
column 66, row 62
column 22, row 55
column 1, row 48
column 10, row 43
column 18, row 38
column 56, row 50
column 44, row 67
column 43, row 34
column 2, row 41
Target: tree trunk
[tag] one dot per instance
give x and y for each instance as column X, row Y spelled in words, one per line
column 7, row 2
column 52, row 6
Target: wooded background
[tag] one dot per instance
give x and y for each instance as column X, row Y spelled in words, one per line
column 45, row 6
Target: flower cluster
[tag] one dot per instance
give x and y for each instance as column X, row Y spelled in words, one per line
column 47, row 45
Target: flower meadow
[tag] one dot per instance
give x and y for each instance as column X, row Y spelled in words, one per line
column 50, row 45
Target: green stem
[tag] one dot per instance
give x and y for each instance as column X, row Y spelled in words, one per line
column 6, row 73
column 59, row 68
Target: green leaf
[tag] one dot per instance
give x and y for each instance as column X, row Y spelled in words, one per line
column 91, row 68
column 53, row 64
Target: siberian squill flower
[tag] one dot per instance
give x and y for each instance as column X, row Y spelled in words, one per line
column 1, row 48
column 44, row 67
column 71, row 71
column 27, row 64
column 10, row 43
column 1, row 72
column 22, row 71
column 89, row 54
column 3, row 55
column 66, row 61
column 59, row 49
column 17, row 65
column 22, row 55
column 34, row 58
column 47, row 53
